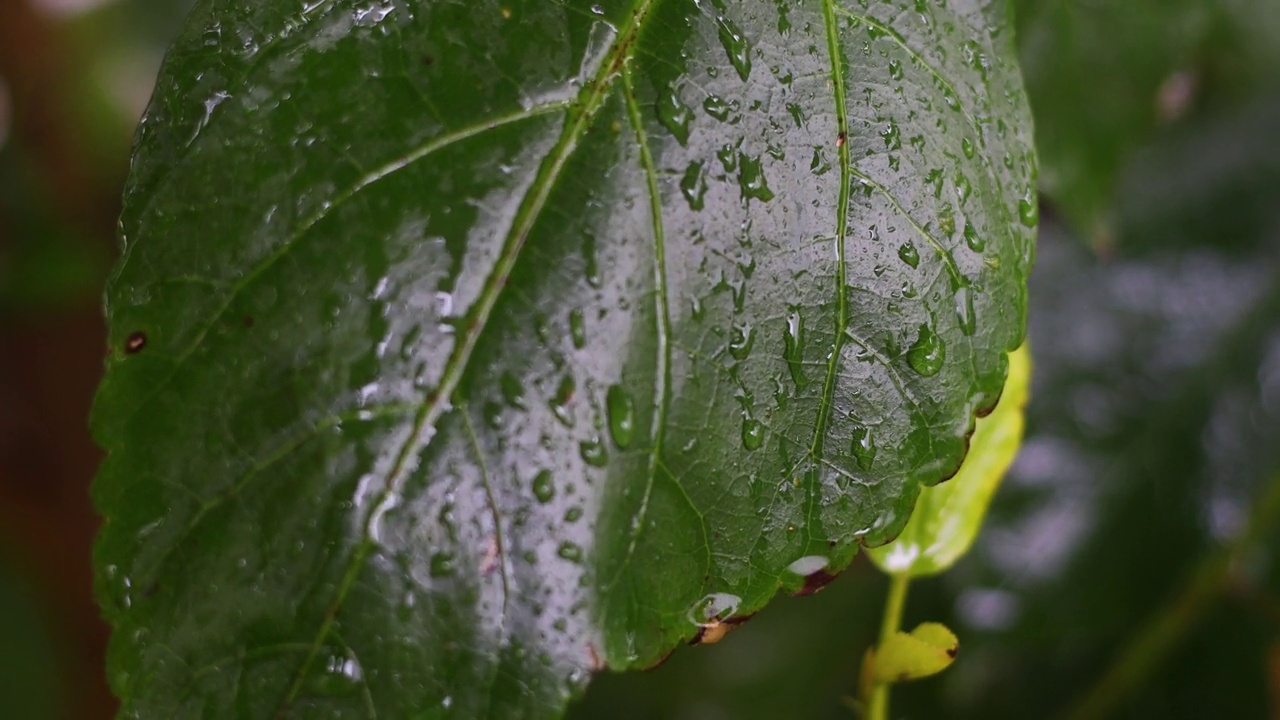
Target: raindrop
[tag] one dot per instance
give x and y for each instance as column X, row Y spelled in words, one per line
column 863, row 447
column 892, row 136
column 928, row 353
column 741, row 338
column 543, row 487
column 967, row 146
column 569, row 551
column 693, row 185
column 590, row 264
column 797, row 114
column 512, row 390
column 962, row 188
column 577, row 328
column 674, row 115
column 714, row 607
column 573, row 514
column 752, row 433
column 751, row 179
column 560, row 402
column 964, row 310
column 895, row 69
column 736, row 45
column 793, row 349
column 808, row 565
column 340, row 675
column 717, row 107
column 442, row 564
column 1028, row 211
column 593, row 452
column 909, row 254
column 622, row 416
column 973, row 240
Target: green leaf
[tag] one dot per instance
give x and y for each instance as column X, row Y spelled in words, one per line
column 947, row 517
column 1108, row 78
column 459, row 350
column 925, row 651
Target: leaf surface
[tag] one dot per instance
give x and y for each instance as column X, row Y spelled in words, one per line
column 460, row 349
column 947, row 517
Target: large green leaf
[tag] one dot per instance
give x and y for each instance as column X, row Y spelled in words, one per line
column 460, row 349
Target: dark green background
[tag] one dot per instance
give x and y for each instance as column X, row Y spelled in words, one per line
column 1155, row 323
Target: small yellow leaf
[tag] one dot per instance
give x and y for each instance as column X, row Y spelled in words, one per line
column 927, row 650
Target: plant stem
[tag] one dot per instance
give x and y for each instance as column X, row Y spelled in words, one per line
column 878, row 706
column 1162, row 632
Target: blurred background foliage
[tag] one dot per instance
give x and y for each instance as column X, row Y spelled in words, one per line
column 1129, row 557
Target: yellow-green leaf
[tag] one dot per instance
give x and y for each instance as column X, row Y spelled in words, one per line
column 927, row 650
column 947, row 517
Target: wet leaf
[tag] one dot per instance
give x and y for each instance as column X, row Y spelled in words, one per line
column 948, row 516
column 459, row 350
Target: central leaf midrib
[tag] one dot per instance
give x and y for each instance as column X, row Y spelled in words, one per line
column 590, row 101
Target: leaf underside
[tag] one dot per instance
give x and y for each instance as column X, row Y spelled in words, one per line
column 460, row 349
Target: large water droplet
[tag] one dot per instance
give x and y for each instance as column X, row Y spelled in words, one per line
column 793, row 349
column 967, row 146
column 717, row 107
column 512, row 390
column 752, row 433
column 1028, row 210
column 751, row 179
column 442, row 564
column 544, row 488
column 560, row 401
column 569, row 551
column 736, row 45
column 674, row 115
column 577, row 328
column 928, row 353
column 963, row 189
column 964, row 310
column 590, row 264
column 741, row 338
column 972, row 239
column 909, row 255
column 694, row 185
column 593, row 452
column 863, row 447
column 622, row 416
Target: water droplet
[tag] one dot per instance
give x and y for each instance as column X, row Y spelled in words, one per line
column 928, row 353
column 693, row 185
column 973, row 240
column 593, row 452
column 512, row 390
column 797, row 114
column 340, row 675
column 1028, row 210
column 622, row 416
column 569, row 551
column 808, row 565
column 863, row 447
column 713, row 608
column 909, row 254
column 560, row 401
column 573, row 514
column 577, row 328
column 964, row 310
column 892, row 136
column 717, row 107
column 590, row 264
column 751, row 179
column 543, row 487
column 793, row 349
column 963, row 188
column 741, row 338
column 674, row 115
column 752, row 433
column 442, row 564
column 967, row 146
column 895, row 69
column 951, row 100
column 736, row 45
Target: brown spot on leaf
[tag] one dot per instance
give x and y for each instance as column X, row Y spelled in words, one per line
column 135, row 342
column 597, row 664
column 815, row 581
column 840, row 140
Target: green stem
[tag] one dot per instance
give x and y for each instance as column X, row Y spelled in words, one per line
column 878, row 706
column 1161, row 634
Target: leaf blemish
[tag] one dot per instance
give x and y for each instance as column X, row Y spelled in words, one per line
column 135, row 342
